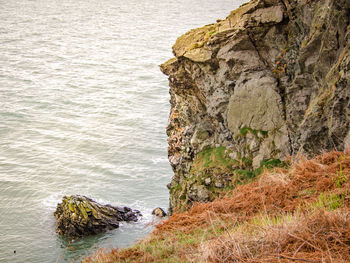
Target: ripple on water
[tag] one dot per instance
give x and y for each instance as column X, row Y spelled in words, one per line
column 83, row 111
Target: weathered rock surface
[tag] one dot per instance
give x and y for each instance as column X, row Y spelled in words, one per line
column 159, row 212
column 79, row 216
column 271, row 80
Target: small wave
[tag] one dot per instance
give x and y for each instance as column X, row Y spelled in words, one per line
column 52, row 200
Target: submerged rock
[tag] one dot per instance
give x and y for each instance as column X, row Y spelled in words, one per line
column 79, row 216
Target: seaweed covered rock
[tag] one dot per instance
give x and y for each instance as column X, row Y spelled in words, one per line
column 79, row 216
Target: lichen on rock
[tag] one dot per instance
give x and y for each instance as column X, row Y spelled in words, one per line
column 79, row 216
column 269, row 81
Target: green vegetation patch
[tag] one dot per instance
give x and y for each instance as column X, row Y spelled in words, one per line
column 330, row 201
column 244, row 176
column 258, row 134
column 213, row 158
column 270, row 164
column 219, row 173
column 340, row 178
column 217, row 161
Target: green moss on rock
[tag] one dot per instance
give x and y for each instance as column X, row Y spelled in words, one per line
column 259, row 134
column 79, row 216
column 214, row 172
column 213, row 158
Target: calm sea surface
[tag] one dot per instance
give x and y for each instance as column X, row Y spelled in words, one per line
column 83, row 110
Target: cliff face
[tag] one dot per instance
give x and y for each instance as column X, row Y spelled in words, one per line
column 269, row 81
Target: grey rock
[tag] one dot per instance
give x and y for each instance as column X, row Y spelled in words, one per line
column 207, row 181
column 198, row 193
column 159, row 212
column 278, row 67
column 219, row 185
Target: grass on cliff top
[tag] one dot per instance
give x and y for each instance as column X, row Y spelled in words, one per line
column 299, row 214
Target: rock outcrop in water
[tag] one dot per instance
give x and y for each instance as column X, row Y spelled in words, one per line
column 269, row 81
column 159, row 212
column 79, row 216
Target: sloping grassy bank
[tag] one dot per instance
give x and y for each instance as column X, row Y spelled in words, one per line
column 295, row 214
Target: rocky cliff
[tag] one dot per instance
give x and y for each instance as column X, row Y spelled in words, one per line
column 269, row 81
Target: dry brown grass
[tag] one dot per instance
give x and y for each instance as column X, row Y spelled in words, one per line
column 229, row 229
column 317, row 237
column 302, row 183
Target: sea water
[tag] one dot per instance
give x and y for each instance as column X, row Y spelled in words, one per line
column 83, row 110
